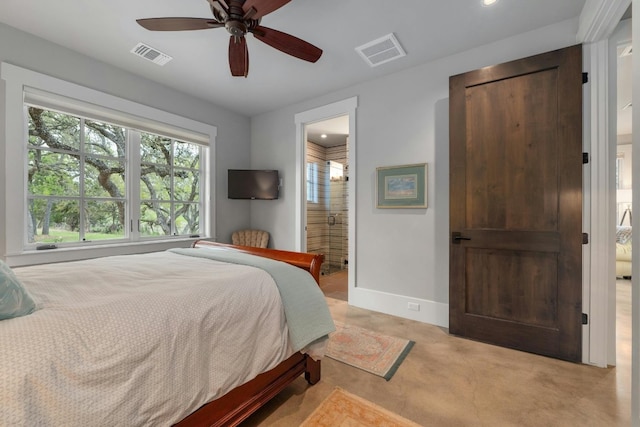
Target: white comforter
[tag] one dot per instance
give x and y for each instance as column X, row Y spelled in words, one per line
column 136, row 340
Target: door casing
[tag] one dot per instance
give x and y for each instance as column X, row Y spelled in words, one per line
column 340, row 108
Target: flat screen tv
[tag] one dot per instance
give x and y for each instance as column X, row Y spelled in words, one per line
column 253, row 184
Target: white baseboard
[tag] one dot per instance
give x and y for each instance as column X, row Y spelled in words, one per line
column 435, row 313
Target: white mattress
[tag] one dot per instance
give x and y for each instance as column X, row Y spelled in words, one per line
column 136, row 340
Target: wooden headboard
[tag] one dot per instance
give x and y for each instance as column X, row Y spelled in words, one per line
column 306, row 261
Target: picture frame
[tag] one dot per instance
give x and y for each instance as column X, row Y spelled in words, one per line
column 402, row 186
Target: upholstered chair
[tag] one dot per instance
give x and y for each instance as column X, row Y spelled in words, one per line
column 255, row 238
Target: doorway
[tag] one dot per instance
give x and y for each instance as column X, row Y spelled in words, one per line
column 344, row 108
column 327, row 176
column 621, row 67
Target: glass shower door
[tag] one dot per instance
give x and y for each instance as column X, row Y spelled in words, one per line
column 335, row 255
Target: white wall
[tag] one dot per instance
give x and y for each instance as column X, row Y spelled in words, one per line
column 624, row 149
column 401, row 118
column 233, row 137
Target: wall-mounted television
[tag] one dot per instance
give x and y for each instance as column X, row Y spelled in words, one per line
column 253, row 184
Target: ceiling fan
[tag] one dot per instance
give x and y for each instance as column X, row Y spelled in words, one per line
column 240, row 17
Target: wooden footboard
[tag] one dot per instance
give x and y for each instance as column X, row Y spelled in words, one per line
column 238, row 404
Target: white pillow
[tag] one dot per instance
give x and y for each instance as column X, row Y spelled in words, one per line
column 15, row 301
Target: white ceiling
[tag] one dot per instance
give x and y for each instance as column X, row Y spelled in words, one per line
column 427, row 30
column 336, row 131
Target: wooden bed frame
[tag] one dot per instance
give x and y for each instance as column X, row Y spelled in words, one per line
column 238, row 404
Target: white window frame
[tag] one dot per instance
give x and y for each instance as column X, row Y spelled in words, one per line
column 19, row 83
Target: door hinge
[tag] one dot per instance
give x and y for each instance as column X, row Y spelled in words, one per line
column 585, row 78
column 585, row 319
column 585, row 158
column 585, row 238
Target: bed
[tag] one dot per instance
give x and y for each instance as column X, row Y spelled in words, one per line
column 194, row 336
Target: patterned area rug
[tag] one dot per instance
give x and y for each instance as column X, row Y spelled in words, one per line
column 342, row 409
column 370, row 351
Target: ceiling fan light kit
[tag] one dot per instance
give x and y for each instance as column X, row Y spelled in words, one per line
column 240, row 17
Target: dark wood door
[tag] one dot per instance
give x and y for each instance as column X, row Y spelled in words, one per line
column 516, row 204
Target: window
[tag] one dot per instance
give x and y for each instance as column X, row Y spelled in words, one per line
column 77, row 181
column 312, row 182
column 169, row 187
column 99, row 172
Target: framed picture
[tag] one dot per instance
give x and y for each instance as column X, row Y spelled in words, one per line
column 402, row 186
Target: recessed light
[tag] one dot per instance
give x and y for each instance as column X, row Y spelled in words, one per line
column 489, row 2
column 323, row 136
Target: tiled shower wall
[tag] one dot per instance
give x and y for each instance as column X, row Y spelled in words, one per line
column 332, row 241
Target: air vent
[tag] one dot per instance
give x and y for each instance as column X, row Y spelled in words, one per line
column 381, row 50
column 151, row 54
column 627, row 51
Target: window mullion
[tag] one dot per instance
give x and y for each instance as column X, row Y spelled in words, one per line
column 133, row 183
column 172, row 205
column 81, row 175
column 203, row 190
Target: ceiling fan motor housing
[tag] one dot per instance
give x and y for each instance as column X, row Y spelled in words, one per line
column 235, row 27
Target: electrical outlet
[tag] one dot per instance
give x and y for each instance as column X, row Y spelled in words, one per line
column 414, row 306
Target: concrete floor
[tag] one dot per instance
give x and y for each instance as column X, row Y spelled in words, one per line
column 335, row 285
column 449, row 381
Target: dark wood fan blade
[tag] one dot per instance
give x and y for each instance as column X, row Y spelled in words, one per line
column 262, row 7
column 178, row 24
column 238, row 56
column 287, row 43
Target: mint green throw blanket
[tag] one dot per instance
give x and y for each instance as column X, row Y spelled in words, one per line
column 305, row 308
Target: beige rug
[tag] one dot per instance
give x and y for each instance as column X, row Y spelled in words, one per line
column 343, row 409
column 370, row 351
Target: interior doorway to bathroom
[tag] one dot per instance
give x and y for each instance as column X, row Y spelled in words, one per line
column 622, row 71
column 327, row 176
